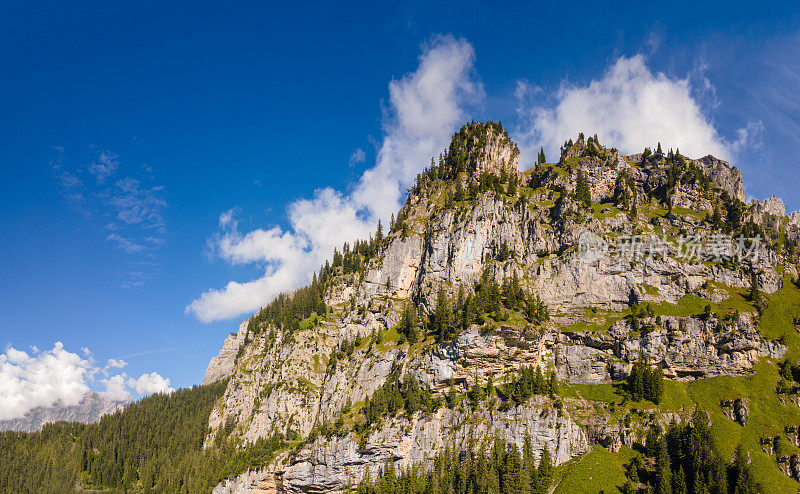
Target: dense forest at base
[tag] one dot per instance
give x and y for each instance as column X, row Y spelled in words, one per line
column 154, row 445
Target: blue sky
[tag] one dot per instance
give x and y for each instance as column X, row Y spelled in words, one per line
column 152, row 153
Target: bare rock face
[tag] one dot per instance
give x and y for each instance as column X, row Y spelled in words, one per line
column 774, row 206
column 91, row 408
column 292, row 382
column 330, row 464
column 736, row 410
column 794, row 218
column 498, row 155
column 221, row 365
column 688, row 348
column 729, row 178
column 790, row 465
column 689, row 198
column 263, row 481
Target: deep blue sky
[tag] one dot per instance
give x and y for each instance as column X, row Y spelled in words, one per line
column 253, row 106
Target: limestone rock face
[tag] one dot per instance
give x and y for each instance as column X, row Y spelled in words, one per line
column 774, row 206
column 261, row 481
column 499, row 154
column 686, row 347
column 736, row 410
column 294, row 382
column 328, row 465
column 729, row 178
column 769, row 209
column 221, row 365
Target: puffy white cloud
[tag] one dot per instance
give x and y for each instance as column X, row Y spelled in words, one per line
column 318, row 225
column 53, row 376
column 115, row 389
column 426, row 106
column 61, row 377
column 150, row 383
column 630, row 108
column 116, row 363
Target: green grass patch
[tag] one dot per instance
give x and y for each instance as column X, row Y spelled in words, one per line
column 767, row 417
column 389, row 339
column 596, row 322
column 552, row 166
column 600, row 470
column 776, row 321
column 605, row 393
column 698, row 215
column 649, row 289
column 597, row 210
column 652, row 209
column 692, row 305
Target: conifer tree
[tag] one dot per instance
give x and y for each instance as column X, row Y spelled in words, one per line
column 582, row 192
column 755, row 294
column 512, row 187
column 442, row 320
column 545, row 472
column 679, row 482
column 744, row 482
column 409, row 327
column 663, row 480
column 458, row 195
column 476, row 395
column 654, row 384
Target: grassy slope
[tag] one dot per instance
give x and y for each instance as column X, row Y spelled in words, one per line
column 767, row 416
column 596, row 471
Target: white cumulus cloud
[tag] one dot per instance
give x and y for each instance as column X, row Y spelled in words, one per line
column 53, row 376
column 115, row 389
column 116, row 363
column 426, row 106
column 61, row 377
column 630, row 108
column 150, row 383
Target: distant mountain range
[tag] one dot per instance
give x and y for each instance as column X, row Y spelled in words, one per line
column 91, row 407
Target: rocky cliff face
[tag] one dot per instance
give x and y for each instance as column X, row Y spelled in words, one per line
column 90, row 409
column 222, row 364
column 607, row 311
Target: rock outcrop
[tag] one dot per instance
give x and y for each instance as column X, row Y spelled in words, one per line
column 331, row 464
column 736, row 410
column 222, row 364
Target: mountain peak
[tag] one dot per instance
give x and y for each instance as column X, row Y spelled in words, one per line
column 482, row 147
